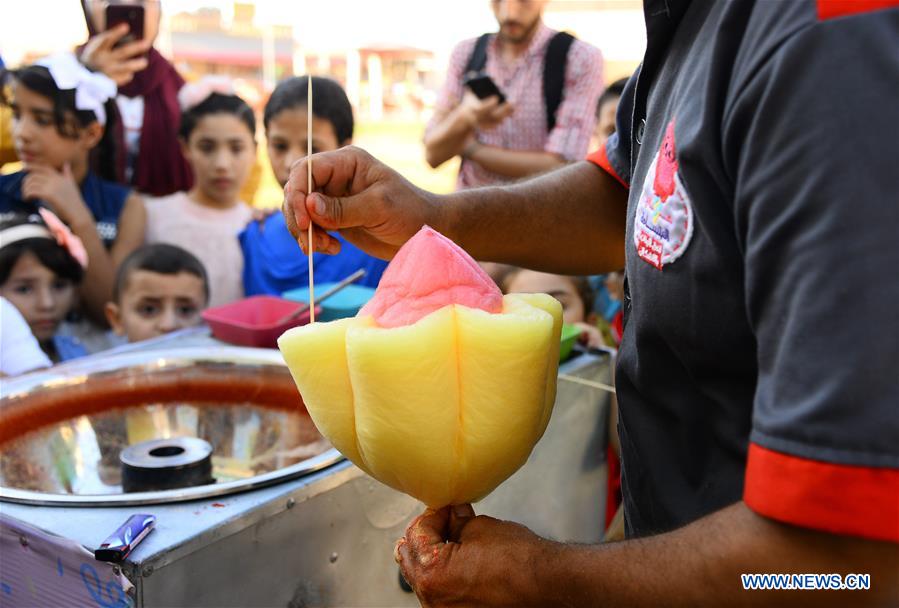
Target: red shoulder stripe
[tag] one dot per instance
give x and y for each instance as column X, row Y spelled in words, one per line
column 843, row 499
column 830, row 9
column 601, row 159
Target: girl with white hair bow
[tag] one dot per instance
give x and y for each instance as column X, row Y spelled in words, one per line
column 62, row 115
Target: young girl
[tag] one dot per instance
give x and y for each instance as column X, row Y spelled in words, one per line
column 61, row 114
column 573, row 292
column 217, row 135
column 41, row 265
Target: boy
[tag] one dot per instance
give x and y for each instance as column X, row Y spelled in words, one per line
column 272, row 262
column 606, row 108
column 159, row 288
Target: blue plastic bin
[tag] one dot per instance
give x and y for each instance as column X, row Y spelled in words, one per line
column 344, row 303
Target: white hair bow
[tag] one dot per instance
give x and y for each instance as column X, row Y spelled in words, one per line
column 92, row 89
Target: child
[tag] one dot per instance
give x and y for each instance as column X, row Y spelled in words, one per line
column 159, row 289
column 574, row 293
column 41, row 265
column 606, row 110
column 61, row 114
column 614, row 285
column 273, row 262
column 217, row 134
column 576, row 296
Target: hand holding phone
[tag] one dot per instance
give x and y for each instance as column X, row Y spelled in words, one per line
column 483, row 87
column 118, row 53
column 130, row 14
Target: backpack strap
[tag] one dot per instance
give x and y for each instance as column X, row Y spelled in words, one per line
column 554, row 65
column 478, row 59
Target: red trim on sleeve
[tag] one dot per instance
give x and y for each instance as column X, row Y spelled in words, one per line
column 601, row 160
column 843, row 499
column 830, row 9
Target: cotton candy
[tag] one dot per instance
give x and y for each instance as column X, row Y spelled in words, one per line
column 441, row 386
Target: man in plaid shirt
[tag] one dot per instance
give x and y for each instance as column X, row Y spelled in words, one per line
column 501, row 142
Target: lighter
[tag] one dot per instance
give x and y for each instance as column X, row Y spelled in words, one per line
column 120, row 543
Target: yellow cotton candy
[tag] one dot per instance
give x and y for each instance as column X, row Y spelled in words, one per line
column 444, row 409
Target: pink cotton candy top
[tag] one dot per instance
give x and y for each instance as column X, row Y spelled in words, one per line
column 427, row 273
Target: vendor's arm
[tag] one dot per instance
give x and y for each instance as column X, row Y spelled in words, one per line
column 488, row 562
column 568, row 221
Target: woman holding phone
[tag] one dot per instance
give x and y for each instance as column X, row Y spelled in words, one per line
column 122, row 33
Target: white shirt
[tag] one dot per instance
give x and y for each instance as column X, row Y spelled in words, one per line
column 210, row 234
column 19, row 349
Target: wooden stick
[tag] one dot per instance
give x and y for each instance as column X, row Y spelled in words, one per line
column 309, row 189
column 592, row 384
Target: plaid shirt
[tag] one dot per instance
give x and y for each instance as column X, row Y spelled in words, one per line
column 522, row 82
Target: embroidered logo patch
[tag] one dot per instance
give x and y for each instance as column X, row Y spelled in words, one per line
column 663, row 223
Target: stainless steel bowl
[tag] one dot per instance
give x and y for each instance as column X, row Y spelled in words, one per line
column 62, row 430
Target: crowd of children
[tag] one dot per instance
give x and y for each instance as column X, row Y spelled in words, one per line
column 90, row 262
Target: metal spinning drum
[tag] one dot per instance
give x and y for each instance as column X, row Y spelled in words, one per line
column 287, row 520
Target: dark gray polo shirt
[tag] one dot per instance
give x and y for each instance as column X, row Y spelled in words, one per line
column 760, row 356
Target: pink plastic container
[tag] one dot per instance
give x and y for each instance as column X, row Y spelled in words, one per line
column 254, row 321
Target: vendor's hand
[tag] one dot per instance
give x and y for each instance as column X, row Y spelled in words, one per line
column 452, row 558
column 59, row 190
column 120, row 64
column 485, row 114
column 372, row 205
column 590, row 335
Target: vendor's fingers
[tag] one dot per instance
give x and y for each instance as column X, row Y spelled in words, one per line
column 362, row 239
column 336, row 212
column 339, row 173
column 460, row 515
column 429, row 528
column 396, row 549
column 289, row 219
column 413, row 556
column 404, row 557
column 295, row 199
column 336, row 173
column 322, row 242
column 295, row 217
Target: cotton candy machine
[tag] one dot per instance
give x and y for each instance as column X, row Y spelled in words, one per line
column 267, row 514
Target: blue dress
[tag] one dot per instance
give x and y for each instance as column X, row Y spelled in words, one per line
column 105, row 199
column 274, row 263
column 69, row 347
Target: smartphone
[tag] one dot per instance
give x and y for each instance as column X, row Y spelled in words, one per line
column 132, row 14
column 483, row 87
